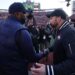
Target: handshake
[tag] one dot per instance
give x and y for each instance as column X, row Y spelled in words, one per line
column 40, row 68
column 47, row 57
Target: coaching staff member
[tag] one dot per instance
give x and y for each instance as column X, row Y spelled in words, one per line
column 16, row 48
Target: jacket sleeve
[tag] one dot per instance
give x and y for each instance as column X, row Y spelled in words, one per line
column 67, row 67
column 24, row 43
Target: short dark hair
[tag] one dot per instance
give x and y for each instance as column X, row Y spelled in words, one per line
column 58, row 12
column 16, row 7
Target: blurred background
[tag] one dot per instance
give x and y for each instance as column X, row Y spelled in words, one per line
column 40, row 8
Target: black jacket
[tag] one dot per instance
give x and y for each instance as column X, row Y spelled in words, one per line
column 64, row 51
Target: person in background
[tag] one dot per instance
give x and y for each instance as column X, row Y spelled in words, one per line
column 63, row 48
column 16, row 48
column 33, row 32
column 48, row 33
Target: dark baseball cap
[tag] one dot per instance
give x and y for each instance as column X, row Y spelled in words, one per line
column 59, row 13
column 16, row 7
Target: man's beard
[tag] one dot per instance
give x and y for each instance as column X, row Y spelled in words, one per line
column 22, row 21
column 54, row 25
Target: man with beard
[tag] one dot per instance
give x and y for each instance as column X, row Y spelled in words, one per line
column 63, row 48
column 16, row 48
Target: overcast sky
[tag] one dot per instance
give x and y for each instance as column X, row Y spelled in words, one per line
column 45, row 4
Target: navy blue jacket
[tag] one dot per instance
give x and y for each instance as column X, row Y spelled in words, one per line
column 16, row 48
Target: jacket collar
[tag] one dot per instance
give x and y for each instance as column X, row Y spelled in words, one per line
column 64, row 25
